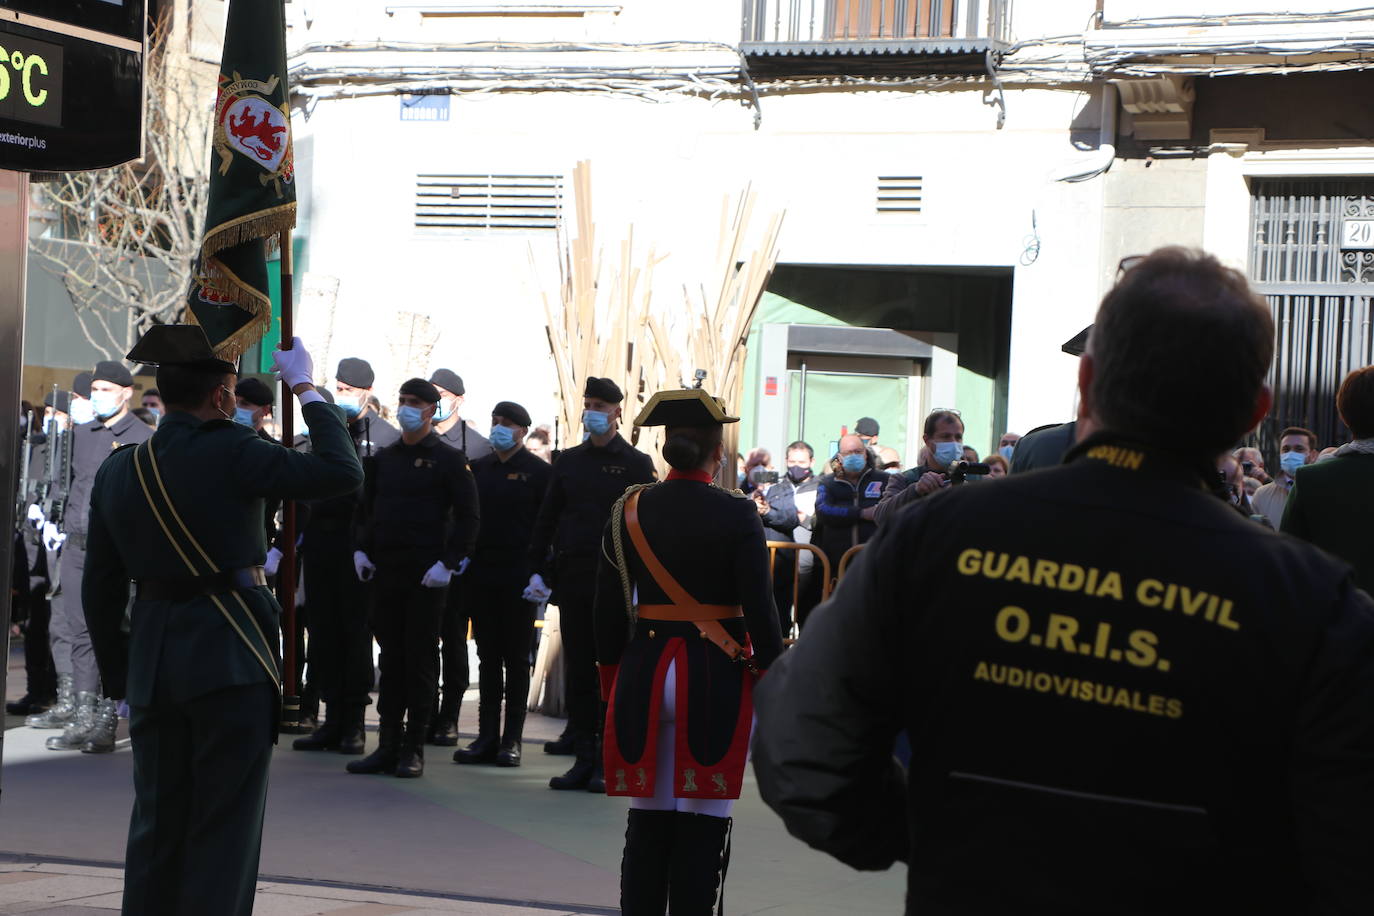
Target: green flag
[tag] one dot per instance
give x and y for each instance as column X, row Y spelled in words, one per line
column 252, row 188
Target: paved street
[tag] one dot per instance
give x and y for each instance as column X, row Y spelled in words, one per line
column 459, row 840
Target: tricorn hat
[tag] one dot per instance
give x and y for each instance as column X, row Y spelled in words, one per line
column 1078, row 343
column 684, row 407
column 179, row 345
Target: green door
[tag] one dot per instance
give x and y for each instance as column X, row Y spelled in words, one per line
column 836, row 400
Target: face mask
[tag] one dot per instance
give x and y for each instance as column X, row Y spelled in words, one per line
column 1291, row 461
column 1006, row 451
column 105, row 404
column 798, row 473
column 444, row 410
column 157, row 414
column 948, row 452
column 352, row 404
column 596, row 422
column 853, row 463
column 244, row 416
column 411, row 418
column 82, row 411
column 502, row 438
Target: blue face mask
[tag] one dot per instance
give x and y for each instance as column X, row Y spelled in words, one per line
column 444, row 410
column 156, row 412
column 82, row 411
column 502, row 438
column 948, row 452
column 410, row 418
column 244, row 416
column 853, row 463
column 1006, row 451
column 596, row 422
column 1291, row 461
column 352, row 404
column 105, row 404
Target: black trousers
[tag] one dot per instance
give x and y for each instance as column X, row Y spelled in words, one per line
column 406, row 620
column 784, row 567
column 336, row 613
column 576, row 599
column 200, row 790
column 453, row 651
column 503, row 625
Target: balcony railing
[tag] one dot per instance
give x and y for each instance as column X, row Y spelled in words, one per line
column 938, row 22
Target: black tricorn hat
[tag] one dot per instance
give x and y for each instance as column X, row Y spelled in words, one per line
column 179, row 345
column 684, row 407
column 1077, row 345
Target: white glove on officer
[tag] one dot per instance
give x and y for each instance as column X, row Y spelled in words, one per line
column 363, row 566
column 294, row 366
column 436, row 576
column 536, row 591
column 272, row 562
column 463, row 566
column 36, row 517
column 52, row 538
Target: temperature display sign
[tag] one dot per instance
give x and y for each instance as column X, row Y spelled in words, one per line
column 30, row 80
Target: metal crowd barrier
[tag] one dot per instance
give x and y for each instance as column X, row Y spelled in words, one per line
column 826, row 584
column 849, row 554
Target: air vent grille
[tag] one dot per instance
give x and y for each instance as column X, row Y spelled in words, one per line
column 899, row 193
column 499, row 202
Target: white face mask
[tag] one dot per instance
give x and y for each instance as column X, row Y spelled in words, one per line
column 106, row 404
column 82, row 411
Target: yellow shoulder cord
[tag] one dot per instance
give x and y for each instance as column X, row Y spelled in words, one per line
column 618, row 539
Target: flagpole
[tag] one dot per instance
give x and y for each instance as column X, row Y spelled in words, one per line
column 286, row 580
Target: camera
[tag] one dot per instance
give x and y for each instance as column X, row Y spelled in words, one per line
column 960, row 470
column 1248, row 467
column 758, row 476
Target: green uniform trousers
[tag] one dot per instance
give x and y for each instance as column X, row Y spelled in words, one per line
column 200, row 774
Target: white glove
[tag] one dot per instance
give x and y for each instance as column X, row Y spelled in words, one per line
column 463, row 566
column 436, row 576
column 363, row 566
column 52, row 538
column 36, row 517
column 536, row 591
column 273, row 561
column 294, row 366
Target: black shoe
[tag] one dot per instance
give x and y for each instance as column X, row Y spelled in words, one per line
column 597, row 783
column 28, row 706
column 353, row 736
column 383, row 759
column 565, row 746
column 443, row 733
column 411, row 762
column 482, row 750
column 324, row 738
column 509, row 754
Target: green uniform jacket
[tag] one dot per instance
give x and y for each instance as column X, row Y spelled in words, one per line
column 217, row 475
column 1330, row 505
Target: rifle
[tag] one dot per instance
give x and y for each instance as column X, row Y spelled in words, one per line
column 22, row 499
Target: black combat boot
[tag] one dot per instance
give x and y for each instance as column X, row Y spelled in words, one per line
column 597, row 781
column 383, row 759
column 483, row 750
column 411, row 762
column 324, row 738
column 353, row 734
column 645, row 864
column 29, row 705
column 582, row 769
column 701, row 855
column 565, row 745
column 509, row 754
column 443, row 725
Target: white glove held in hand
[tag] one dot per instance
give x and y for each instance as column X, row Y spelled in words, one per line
column 363, row 566
column 36, row 517
column 463, row 566
column 272, row 562
column 52, row 538
column 536, row 591
column 294, row 366
column 436, row 576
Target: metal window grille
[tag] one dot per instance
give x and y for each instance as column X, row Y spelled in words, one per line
column 869, row 20
column 899, row 193
column 1320, row 289
column 494, row 202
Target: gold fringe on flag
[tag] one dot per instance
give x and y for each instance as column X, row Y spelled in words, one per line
column 259, row 225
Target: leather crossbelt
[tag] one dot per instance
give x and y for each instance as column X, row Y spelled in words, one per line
column 200, row 586
column 684, row 607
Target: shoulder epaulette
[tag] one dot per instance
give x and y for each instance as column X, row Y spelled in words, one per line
column 125, row 447
column 740, row 494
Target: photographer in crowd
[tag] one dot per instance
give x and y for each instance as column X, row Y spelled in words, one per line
column 943, row 438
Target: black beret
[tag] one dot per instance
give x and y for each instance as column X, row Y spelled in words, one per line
column 81, row 385
column 59, row 401
column 448, row 380
column 355, row 372
column 603, row 389
column 513, row 412
column 421, row 389
column 325, row 393
column 254, row 391
column 107, row 370
column 867, row 426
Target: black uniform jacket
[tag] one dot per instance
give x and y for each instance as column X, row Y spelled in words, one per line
column 93, row 443
column 327, row 524
column 1121, row 696
column 711, row 541
column 419, row 506
column 586, row 481
column 217, row 475
column 510, row 492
